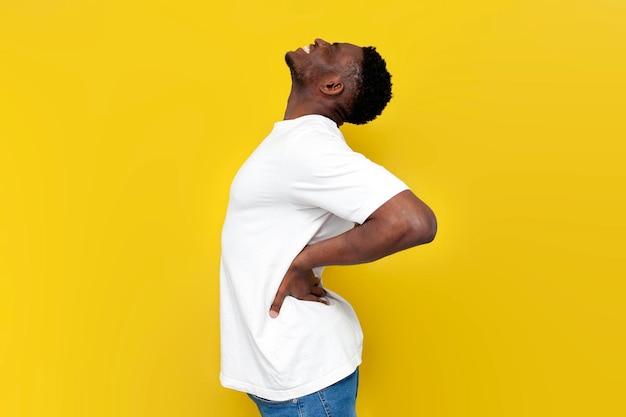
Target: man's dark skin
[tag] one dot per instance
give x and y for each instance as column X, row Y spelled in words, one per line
column 320, row 86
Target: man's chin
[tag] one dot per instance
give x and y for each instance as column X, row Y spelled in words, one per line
column 289, row 59
column 296, row 74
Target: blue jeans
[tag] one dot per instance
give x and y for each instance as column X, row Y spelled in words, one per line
column 338, row 400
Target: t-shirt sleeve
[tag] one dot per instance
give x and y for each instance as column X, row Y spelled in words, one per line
column 329, row 175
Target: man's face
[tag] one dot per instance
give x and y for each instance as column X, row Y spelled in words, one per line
column 310, row 62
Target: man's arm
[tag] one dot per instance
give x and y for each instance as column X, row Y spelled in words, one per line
column 401, row 223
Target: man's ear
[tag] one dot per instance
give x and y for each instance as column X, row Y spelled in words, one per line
column 332, row 86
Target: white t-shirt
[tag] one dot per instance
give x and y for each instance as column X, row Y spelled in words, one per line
column 301, row 185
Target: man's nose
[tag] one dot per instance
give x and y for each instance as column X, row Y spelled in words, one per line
column 321, row 42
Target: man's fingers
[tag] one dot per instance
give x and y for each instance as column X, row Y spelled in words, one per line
column 312, row 297
column 316, row 295
column 277, row 304
column 318, row 291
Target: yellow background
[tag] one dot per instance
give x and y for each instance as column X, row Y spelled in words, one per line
column 123, row 122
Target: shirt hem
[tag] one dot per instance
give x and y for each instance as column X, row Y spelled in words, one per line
column 285, row 394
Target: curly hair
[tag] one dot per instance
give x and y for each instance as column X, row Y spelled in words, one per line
column 373, row 88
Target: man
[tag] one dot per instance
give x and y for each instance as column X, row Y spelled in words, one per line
column 304, row 200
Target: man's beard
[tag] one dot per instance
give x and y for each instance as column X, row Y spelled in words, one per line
column 296, row 76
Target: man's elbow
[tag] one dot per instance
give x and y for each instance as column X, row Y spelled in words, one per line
column 423, row 228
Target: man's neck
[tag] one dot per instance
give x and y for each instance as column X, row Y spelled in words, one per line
column 298, row 106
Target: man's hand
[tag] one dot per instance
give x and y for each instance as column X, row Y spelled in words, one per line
column 298, row 283
column 402, row 222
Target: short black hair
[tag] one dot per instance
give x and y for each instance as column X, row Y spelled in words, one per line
column 374, row 88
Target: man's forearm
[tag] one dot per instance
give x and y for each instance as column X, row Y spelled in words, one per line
column 402, row 222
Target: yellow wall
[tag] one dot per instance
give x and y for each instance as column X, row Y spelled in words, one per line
column 122, row 123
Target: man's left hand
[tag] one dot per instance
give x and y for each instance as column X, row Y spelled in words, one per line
column 301, row 284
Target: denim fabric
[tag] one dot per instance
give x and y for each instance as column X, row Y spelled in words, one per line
column 338, row 400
